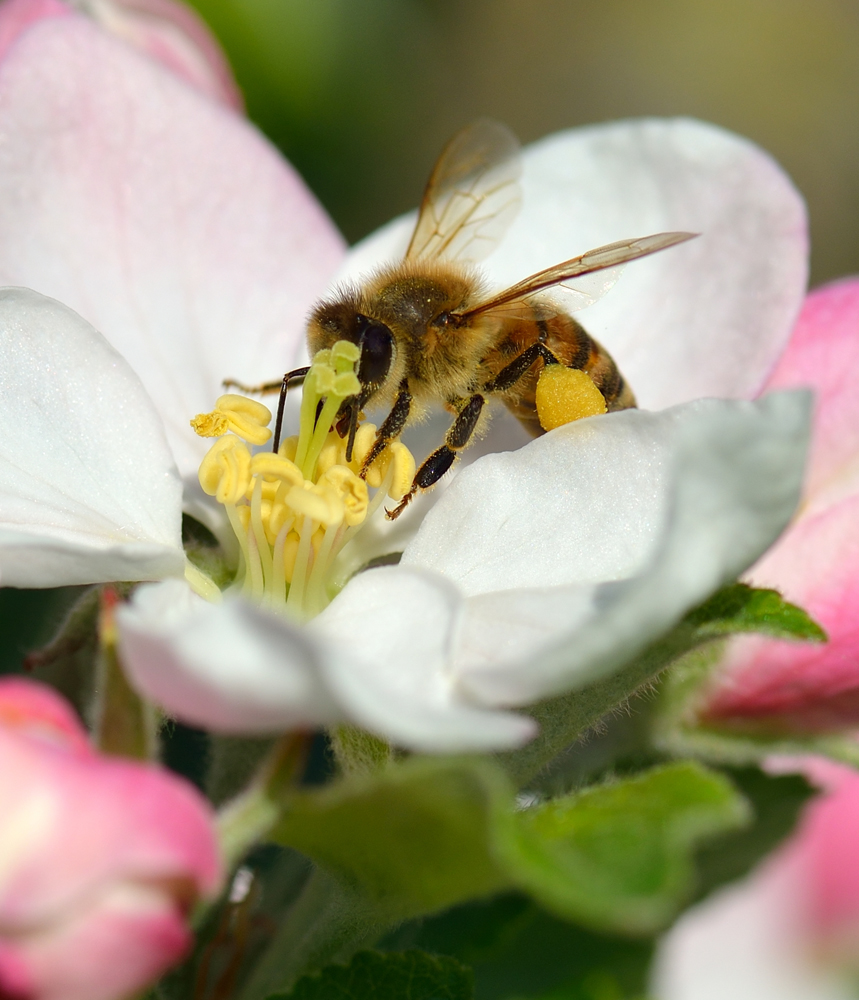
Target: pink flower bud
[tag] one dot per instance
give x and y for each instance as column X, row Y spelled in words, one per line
column 800, row 686
column 166, row 31
column 100, row 858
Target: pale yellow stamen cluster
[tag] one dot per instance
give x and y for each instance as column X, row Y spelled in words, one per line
column 294, row 510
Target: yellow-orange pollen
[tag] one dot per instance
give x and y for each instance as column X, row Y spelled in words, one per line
column 566, row 394
column 294, row 510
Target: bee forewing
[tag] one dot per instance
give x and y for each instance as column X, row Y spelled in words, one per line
column 471, row 197
column 568, row 278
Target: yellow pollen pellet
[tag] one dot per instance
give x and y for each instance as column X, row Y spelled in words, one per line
column 275, row 468
column 351, row 490
column 210, row 425
column 247, row 417
column 225, row 471
column 566, row 394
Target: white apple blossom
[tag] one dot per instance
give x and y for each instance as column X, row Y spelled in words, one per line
column 168, row 224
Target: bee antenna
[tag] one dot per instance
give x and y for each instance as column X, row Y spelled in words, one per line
column 294, row 375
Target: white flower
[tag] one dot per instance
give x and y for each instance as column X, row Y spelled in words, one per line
column 172, row 227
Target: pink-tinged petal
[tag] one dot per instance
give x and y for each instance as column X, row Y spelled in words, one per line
column 100, row 861
column 174, row 35
column 164, row 219
column 780, row 685
column 823, row 353
column 788, row 931
column 39, row 712
column 18, row 15
column 797, row 685
column 125, row 938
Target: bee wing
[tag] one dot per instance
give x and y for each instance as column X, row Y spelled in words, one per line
column 604, row 263
column 472, row 195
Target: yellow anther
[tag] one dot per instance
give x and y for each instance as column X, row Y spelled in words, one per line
column 333, row 453
column 210, row 425
column 351, row 490
column 404, row 469
column 322, row 505
column 277, row 515
column 288, row 447
column 247, row 417
column 322, row 358
column 324, row 381
column 276, row 468
column 225, row 471
column 566, row 394
column 364, row 440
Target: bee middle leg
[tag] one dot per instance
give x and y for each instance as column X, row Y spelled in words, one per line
column 392, row 425
column 457, row 437
column 510, row 374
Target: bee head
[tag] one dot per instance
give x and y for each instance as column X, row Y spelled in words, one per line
column 333, row 321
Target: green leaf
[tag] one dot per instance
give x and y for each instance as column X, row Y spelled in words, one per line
column 740, row 608
column 371, row 975
column 411, row 839
column 619, row 856
column 736, row 608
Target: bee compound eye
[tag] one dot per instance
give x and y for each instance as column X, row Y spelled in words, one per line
column 377, row 348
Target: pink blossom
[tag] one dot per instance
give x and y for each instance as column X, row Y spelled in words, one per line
column 100, row 858
column 168, row 32
column 788, row 932
column 785, row 685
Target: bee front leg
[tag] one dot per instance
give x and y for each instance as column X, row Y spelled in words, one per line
column 392, row 425
column 442, row 459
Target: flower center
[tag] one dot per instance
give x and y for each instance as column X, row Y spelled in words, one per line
column 294, row 510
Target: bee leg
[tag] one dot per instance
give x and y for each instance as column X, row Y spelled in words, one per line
column 392, row 425
column 265, row 388
column 443, row 458
column 510, row 374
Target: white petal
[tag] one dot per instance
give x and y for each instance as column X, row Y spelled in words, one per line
column 676, row 519
column 88, row 489
column 230, row 667
column 388, row 639
column 164, row 219
column 744, row 944
column 707, row 318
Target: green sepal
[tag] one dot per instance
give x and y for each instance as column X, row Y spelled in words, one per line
column 619, row 856
column 372, row 975
column 740, row 608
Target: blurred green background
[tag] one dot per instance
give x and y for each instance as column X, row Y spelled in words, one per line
column 362, row 94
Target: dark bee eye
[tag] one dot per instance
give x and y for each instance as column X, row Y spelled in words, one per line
column 377, row 347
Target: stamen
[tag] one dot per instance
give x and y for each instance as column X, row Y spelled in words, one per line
column 294, row 510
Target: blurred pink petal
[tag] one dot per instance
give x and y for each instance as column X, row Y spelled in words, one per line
column 784, row 685
column 174, row 35
column 168, row 32
column 790, row 931
column 100, row 860
column 161, row 217
column 18, row 15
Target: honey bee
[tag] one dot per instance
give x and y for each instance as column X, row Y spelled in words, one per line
column 429, row 332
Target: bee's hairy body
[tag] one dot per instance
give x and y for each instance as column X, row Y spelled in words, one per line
column 428, row 332
column 446, row 356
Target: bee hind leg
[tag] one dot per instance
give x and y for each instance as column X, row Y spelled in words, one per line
column 434, row 467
